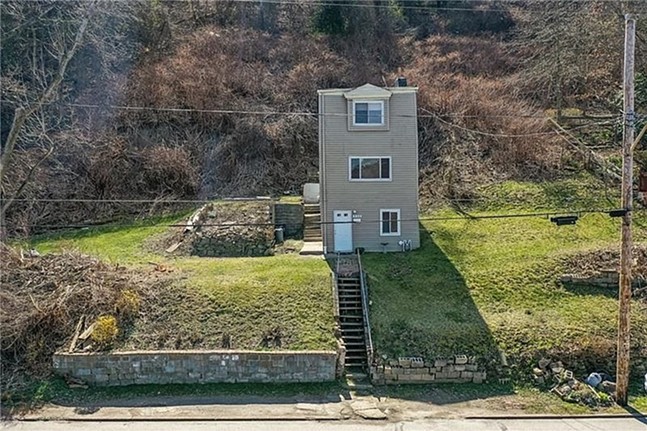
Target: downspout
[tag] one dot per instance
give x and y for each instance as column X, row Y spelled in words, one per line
column 415, row 119
column 323, row 190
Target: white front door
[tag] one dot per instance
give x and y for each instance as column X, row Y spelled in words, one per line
column 343, row 229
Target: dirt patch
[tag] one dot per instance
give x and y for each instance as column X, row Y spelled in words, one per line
column 223, row 229
column 49, row 300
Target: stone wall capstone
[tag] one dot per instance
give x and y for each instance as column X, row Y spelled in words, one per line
column 189, row 366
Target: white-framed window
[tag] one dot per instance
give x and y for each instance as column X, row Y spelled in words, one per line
column 368, row 113
column 369, row 168
column 389, row 222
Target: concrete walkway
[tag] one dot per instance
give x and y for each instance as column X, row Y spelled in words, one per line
column 365, row 408
column 566, row 424
column 222, row 412
column 312, row 248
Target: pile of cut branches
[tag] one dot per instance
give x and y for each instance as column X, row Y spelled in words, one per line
column 46, row 299
column 591, row 263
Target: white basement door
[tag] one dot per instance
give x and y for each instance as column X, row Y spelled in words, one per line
column 343, row 229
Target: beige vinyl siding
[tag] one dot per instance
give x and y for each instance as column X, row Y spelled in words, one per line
column 366, row 198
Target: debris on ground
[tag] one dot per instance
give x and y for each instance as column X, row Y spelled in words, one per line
column 53, row 301
column 593, row 262
column 601, row 268
column 596, row 390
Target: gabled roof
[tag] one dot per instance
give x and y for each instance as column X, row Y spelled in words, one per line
column 368, row 91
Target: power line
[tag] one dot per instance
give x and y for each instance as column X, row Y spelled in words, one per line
column 130, row 201
column 298, row 113
column 544, row 214
column 386, row 4
column 503, row 135
column 405, row 4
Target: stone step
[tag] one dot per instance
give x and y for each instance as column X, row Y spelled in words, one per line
column 356, row 374
column 355, row 357
column 354, row 337
column 351, row 328
column 350, row 324
column 350, row 305
column 355, row 346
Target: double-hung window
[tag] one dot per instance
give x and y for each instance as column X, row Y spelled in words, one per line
column 370, row 168
column 368, row 113
column 390, row 222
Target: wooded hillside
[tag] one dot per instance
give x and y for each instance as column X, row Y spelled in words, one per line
column 167, row 100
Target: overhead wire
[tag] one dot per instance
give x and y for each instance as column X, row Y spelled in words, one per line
column 330, row 114
column 468, row 217
column 400, row 4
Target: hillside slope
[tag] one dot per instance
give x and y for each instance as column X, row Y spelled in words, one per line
column 177, row 106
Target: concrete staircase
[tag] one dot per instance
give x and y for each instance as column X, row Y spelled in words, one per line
column 311, row 223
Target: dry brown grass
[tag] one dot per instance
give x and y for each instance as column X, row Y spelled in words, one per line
column 480, row 129
column 44, row 298
column 161, row 154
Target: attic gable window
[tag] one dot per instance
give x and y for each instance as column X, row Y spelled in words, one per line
column 368, row 113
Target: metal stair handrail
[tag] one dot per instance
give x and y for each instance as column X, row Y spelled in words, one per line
column 367, row 325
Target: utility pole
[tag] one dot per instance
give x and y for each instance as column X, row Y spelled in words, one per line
column 624, row 288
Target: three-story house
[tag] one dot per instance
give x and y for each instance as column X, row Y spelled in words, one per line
column 368, row 168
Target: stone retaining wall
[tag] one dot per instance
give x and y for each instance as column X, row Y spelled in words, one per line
column 209, row 366
column 290, row 216
column 606, row 279
column 457, row 369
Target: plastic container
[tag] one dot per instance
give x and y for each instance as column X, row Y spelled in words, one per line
column 594, row 379
column 278, row 234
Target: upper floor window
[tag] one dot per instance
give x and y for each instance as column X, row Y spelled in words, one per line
column 370, row 168
column 368, row 113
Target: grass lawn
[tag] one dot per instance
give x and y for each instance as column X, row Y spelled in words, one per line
column 240, row 302
column 476, row 286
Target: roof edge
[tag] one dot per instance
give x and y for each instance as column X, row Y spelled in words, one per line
column 342, row 91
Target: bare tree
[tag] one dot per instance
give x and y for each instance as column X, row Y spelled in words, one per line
column 567, row 51
column 62, row 53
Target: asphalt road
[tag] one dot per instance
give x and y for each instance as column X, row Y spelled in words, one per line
column 571, row 424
